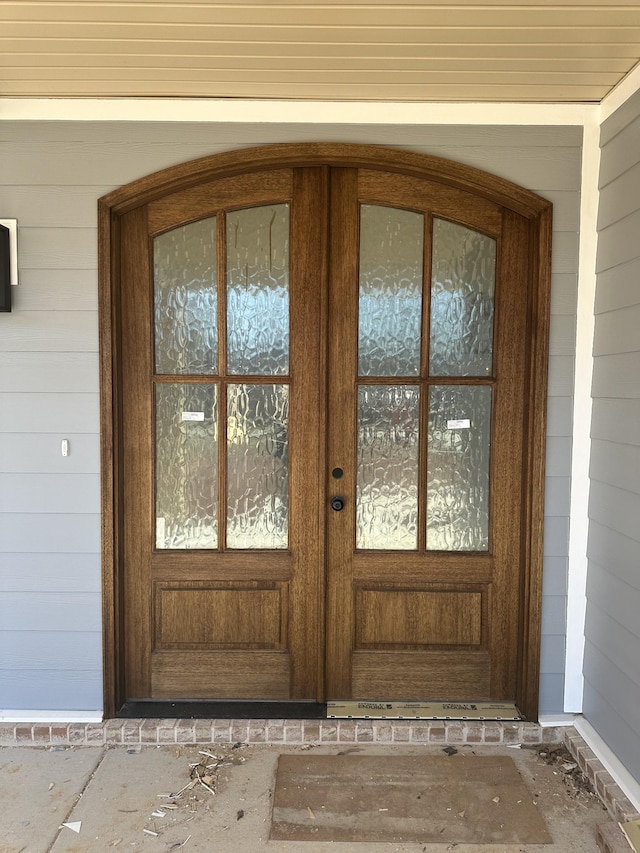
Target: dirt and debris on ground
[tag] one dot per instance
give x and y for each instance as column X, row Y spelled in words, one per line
column 213, row 800
column 563, row 764
column 204, row 777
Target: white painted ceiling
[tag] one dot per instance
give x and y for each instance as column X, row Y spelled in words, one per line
column 405, row 51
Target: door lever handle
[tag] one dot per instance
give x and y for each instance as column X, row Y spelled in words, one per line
column 337, row 504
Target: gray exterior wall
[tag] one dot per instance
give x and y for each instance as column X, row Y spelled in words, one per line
column 51, row 175
column 612, row 651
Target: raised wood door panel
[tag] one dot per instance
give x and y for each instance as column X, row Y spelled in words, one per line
column 417, row 622
column 330, row 613
column 224, row 622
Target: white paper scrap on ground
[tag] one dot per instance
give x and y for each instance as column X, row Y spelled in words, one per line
column 74, row 825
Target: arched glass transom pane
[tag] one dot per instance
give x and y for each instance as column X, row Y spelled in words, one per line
column 463, row 276
column 390, row 303
column 185, row 297
column 258, row 290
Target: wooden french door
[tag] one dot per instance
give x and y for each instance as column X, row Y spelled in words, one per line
column 328, row 434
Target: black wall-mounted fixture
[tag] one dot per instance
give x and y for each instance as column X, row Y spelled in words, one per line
column 5, row 270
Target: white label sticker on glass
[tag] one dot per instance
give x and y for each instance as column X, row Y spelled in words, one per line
column 463, row 423
column 193, row 416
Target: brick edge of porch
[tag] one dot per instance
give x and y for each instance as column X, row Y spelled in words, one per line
column 150, row 732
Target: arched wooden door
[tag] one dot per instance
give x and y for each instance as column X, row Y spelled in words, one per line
column 324, row 380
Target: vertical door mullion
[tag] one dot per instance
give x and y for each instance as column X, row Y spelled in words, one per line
column 222, row 385
column 425, row 350
column 341, row 425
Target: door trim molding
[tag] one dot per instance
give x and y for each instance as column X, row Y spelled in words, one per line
column 111, row 207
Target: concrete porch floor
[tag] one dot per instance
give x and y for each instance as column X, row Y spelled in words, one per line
column 113, row 790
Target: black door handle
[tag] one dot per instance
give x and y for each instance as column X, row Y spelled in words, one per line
column 337, row 504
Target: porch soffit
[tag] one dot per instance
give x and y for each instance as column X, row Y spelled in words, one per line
column 576, row 52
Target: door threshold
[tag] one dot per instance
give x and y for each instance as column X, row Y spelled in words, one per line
column 197, row 709
column 381, row 710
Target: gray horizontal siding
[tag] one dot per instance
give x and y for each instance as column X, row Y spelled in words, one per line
column 564, row 295
column 49, row 533
column 617, row 331
column 616, row 465
column 559, row 455
column 50, row 572
column 616, row 420
column 615, row 551
column 48, row 611
column 616, row 508
column 621, row 737
column 53, row 174
column 620, row 155
column 48, row 331
column 612, row 630
column 618, row 242
column 51, row 649
column 555, row 579
column 43, row 206
column 44, row 493
column 67, row 413
column 47, row 371
column 619, row 198
column 551, row 686
column 618, row 287
column 559, row 416
column 616, row 641
column 188, row 133
column 617, row 376
column 622, row 692
column 56, row 290
column 38, row 453
column 62, row 690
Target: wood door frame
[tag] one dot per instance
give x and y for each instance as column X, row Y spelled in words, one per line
column 536, row 211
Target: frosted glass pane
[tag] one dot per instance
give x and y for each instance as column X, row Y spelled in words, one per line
column 387, row 476
column 258, row 290
column 257, row 466
column 185, row 276
column 186, row 466
column 458, row 468
column 390, row 305
column 463, row 279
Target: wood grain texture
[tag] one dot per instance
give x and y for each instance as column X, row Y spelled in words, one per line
column 220, row 675
column 403, row 675
column 417, row 618
column 519, row 220
column 219, row 618
column 262, row 158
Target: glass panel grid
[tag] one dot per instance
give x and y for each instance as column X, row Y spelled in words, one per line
column 390, row 296
column 257, row 466
column 186, row 466
column 185, row 299
column 387, row 467
column 258, row 291
column 463, row 274
column 459, row 446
